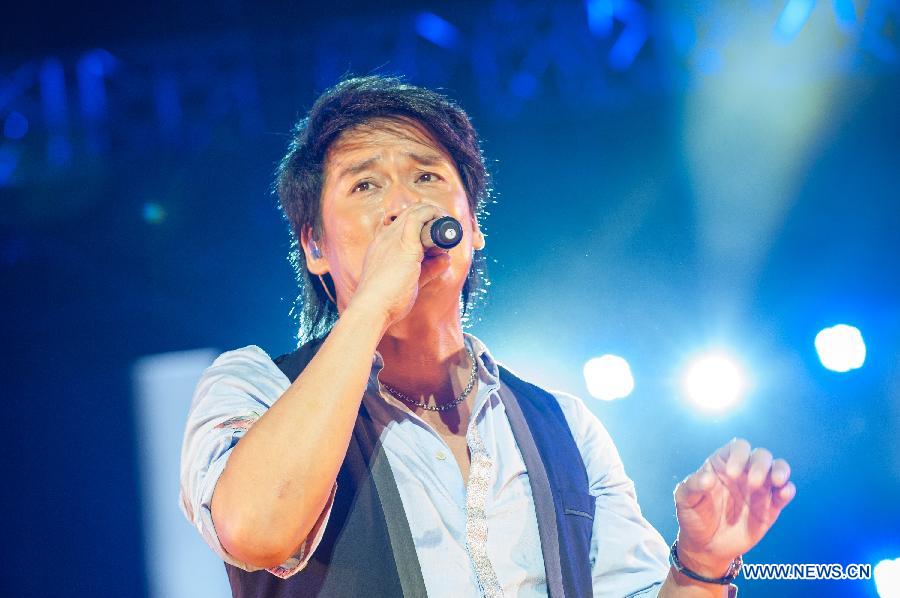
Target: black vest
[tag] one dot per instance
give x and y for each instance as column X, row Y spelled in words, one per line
column 367, row 549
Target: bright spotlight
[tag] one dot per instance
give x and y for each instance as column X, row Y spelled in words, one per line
column 887, row 578
column 841, row 348
column 714, row 382
column 608, row 377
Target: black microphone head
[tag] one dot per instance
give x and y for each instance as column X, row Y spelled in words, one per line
column 446, row 232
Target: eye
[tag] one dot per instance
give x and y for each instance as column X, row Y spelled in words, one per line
column 427, row 177
column 362, row 186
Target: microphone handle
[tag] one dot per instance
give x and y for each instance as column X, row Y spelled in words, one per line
column 441, row 233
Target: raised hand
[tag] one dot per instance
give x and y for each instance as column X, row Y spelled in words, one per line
column 726, row 507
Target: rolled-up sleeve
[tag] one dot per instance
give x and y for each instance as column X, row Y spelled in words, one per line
column 628, row 556
column 234, row 392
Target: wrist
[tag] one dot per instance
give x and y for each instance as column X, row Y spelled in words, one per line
column 712, row 568
column 703, row 569
column 361, row 305
column 362, row 315
column 376, row 306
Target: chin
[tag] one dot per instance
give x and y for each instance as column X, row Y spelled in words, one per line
column 446, row 288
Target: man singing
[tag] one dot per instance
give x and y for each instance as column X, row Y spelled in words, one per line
column 391, row 454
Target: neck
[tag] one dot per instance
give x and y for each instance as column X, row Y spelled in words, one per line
column 424, row 355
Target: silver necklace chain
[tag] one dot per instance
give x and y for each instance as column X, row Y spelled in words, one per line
column 423, row 405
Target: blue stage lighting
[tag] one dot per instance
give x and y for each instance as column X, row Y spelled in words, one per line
column 887, row 578
column 845, row 13
column 437, row 30
column 793, row 18
column 9, row 159
column 15, row 126
column 153, row 213
column 600, row 16
column 625, row 50
column 523, row 85
column 714, row 382
column 608, row 377
column 841, row 348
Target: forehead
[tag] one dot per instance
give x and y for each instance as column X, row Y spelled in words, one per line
column 379, row 134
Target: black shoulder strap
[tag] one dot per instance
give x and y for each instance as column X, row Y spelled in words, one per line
column 559, row 482
column 291, row 364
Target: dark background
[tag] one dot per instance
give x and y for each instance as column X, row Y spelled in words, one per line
column 667, row 179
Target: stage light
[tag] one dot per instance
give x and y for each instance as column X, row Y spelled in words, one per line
column 841, row 348
column 714, row 382
column 600, row 15
column 887, row 578
column 153, row 213
column 437, row 30
column 608, row 377
column 793, row 18
column 845, row 13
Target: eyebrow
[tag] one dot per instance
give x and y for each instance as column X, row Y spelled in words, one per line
column 424, row 159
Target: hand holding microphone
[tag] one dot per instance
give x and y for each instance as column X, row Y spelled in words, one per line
column 393, row 271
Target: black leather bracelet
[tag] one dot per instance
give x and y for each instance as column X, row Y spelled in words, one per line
column 726, row 579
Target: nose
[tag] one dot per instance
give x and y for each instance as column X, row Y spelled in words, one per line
column 399, row 197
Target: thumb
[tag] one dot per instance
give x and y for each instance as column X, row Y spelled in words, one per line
column 434, row 266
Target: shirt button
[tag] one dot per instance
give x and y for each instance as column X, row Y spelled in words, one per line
column 441, row 455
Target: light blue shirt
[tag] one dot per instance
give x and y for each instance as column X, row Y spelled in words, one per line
column 628, row 556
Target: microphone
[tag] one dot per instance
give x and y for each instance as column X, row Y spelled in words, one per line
column 441, row 233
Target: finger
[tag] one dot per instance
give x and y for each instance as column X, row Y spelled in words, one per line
column 413, row 219
column 782, row 496
column 691, row 490
column 398, row 222
column 733, row 457
column 421, row 211
column 760, row 465
column 780, row 474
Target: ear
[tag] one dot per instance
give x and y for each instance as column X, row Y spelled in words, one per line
column 316, row 262
column 477, row 236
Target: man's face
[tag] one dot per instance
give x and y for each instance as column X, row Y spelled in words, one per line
column 372, row 173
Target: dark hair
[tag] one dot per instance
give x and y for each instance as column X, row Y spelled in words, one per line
column 300, row 176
